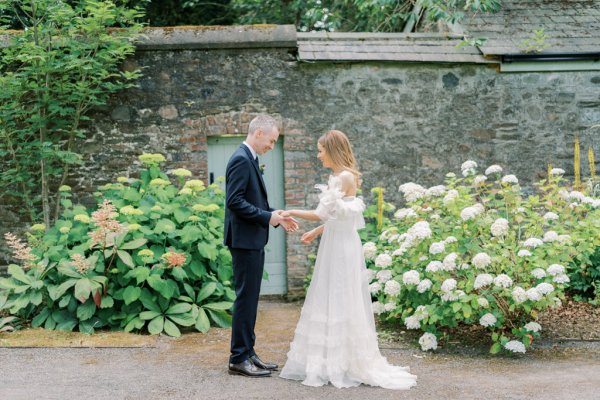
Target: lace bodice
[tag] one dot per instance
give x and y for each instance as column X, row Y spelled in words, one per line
column 335, row 206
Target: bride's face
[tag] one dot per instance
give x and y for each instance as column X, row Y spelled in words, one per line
column 323, row 156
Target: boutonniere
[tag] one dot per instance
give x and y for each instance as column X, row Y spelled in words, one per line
column 261, row 167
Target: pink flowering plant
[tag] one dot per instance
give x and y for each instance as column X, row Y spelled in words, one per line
column 149, row 257
column 478, row 251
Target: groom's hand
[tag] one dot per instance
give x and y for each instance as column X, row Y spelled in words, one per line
column 285, row 220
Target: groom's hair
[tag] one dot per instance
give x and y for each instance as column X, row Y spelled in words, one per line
column 263, row 122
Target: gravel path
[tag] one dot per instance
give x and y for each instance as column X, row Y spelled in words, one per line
column 193, row 367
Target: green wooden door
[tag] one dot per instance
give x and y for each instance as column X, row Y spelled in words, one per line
column 220, row 149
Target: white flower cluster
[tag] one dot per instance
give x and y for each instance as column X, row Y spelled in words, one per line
column 378, row 308
column 369, row 250
column 450, row 196
column 550, row 236
column 375, row 287
column 412, row 191
column 471, row 212
column 449, row 285
column 437, row 248
column 550, row 216
column 500, row 227
column 558, row 272
column 519, row 295
column 383, row 260
column 533, row 242
column 545, row 288
column 389, row 306
column 428, row 341
column 515, row 346
column 533, row 294
column 392, row 288
column 435, row 191
column 483, row 302
column 402, row 213
column 482, row 280
column 481, row 260
column 434, row 266
column 503, row 281
column 557, row 172
column 524, row 253
column 424, row 285
column 468, row 168
column 533, row 327
column 493, row 169
column 384, row 275
column 450, row 239
column 488, row 320
column 479, row 180
column 538, row 273
column 414, row 321
column 411, row 277
column 510, row 179
column 449, row 263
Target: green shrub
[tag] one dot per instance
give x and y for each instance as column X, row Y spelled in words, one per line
column 150, row 257
column 477, row 252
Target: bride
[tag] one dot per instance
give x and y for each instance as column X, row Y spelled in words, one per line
column 335, row 339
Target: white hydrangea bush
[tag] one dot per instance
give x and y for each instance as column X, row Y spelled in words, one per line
column 477, row 251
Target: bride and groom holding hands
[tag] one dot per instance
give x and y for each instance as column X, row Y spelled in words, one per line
column 335, row 340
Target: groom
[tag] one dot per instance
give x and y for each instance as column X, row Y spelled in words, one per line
column 247, row 220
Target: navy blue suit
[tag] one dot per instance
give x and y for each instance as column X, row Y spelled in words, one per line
column 247, row 216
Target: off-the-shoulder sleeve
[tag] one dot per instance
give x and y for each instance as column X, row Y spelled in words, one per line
column 351, row 208
column 327, row 201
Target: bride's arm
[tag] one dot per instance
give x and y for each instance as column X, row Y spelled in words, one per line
column 307, row 215
column 312, row 234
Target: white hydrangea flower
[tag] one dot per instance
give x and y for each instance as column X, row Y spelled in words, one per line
column 437, row 248
column 468, row 168
column 564, row 239
column 452, row 296
column 519, row 295
column 533, row 242
column 383, row 260
column 392, row 288
column 533, row 294
column 503, row 281
column 520, row 209
column 450, row 196
column 511, row 179
column 533, row 326
column 389, row 306
column 550, row 236
column 374, row 287
column 538, row 273
column 384, row 275
column 420, row 230
column 449, row 262
column 435, row 191
column 488, row 320
column 481, row 260
column 412, row 322
column 393, row 238
column 424, row 286
column 421, row 312
column 482, row 280
column 573, row 205
column 423, row 258
column 556, row 269
column 378, row 308
column 428, row 341
column 515, row 346
column 524, row 253
column 405, row 213
column 450, row 239
column 557, row 172
column 562, row 278
column 434, row 266
column 449, row 285
column 411, row 277
column 575, row 195
column 479, row 180
column 545, row 288
column 550, row 216
column 412, row 191
column 500, row 227
column 464, row 266
column 557, row 303
column 369, row 250
column 483, row 302
column 370, row 274
column 471, row 212
column 493, row 169
column 399, row 251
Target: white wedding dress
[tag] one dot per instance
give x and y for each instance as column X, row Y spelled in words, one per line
column 335, row 339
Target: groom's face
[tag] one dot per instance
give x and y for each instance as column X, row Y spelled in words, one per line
column 266, row 140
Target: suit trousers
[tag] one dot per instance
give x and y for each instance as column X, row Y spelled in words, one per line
column 248, row 268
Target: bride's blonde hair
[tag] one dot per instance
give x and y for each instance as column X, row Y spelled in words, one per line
column 338, row 148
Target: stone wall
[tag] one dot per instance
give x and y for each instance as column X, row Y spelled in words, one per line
column 407, row 121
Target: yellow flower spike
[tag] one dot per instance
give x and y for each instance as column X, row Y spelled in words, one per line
column 549, row 170
column 592, row 163
column 38, row 227
column 379, row 191
column 577, row 164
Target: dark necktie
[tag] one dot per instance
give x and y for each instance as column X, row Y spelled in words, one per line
column 256, row 161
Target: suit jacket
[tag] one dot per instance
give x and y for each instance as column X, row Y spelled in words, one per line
column 247, row 211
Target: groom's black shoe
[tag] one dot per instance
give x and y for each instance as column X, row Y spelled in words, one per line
column 247, row 368
column 261, row 364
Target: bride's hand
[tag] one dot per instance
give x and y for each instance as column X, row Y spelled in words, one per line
column 308, row 236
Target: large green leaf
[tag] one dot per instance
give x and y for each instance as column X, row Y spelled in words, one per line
column 131, row 294
column 107, row 302
column 206, row 291
column 126, row 258
column 139, row 273
column 17, row 273
column 135, row 323
column 40, row 318
column 208, row 250
column 181, row 214
column 83, row 288
column 161, row 286
column 198, row 268
column 146, row 315
column 179, row 308
column 69, row 271
column 179, row 274
column 36, row 298
column 56, row 292
column 164, row 226
column 156, row 325
column 134, row 244
column 86, row 310
column 221, row 305
column 190, row 233
column 183, row 319
column 202, row 321
column 171, row 329
column 221, row 318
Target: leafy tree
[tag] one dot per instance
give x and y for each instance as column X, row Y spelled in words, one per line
column 64, row 63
